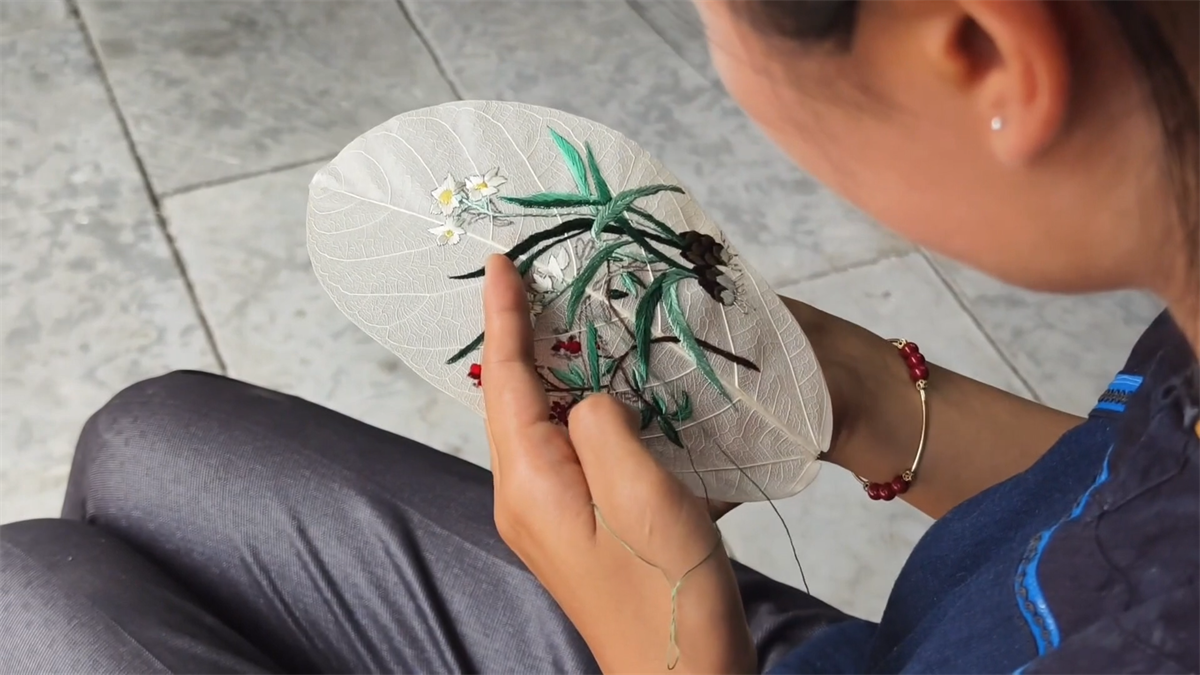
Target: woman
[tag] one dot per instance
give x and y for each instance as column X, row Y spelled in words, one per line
column 213, row 526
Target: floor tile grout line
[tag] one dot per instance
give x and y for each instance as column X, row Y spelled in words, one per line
column 433, row 54
column 228, row 180
column 155, row 203
column 840, row 269
column 954, row 292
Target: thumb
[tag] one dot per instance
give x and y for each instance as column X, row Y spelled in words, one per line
column 607, row 441
column 653, row 511
column 606, row 437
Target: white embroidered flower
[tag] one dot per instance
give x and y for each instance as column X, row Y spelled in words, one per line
column 541, row 283
column 449, row 233
column 486, row 185
column 445, row 197
column 537, row 304
column 550, row 274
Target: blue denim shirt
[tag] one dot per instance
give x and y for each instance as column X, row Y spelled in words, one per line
column 1086, row 562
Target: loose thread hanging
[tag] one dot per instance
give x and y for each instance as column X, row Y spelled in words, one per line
column 673, row 651
column 786, row 530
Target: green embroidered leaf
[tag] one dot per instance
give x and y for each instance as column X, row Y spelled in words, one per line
column 622, row 201
column 580, row 283
column 633, row 285
column 574, row 163
column 565, row 230
column 568, row 227
column 617, row 294
column 593, row 356
column 527, row 264
column 629, row 256
column 658, row 224
column 552, row 200
column 639, row 237
column 460, row 354
column 660, row 404
column 602, row 191
column 637, row 378
column 683, row 409
column 609, row 366
column 648, row 415
column 572, row 377
column 643, row 323
column 687, row 338
column 669, row 430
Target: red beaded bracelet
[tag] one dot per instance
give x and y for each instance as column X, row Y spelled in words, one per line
column 918, row 371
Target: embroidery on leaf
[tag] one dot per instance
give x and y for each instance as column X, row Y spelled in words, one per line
column 631, row 266
column 467, row 203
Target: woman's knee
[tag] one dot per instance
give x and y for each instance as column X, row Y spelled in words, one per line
column 153, row 435
column 76, row 598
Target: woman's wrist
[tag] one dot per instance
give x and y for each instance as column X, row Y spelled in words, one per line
column 977, row 435
column 876, row 409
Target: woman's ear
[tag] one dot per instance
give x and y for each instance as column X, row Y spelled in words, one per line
column 1012, row 58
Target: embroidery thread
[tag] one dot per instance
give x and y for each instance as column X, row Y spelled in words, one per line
column 627, row 255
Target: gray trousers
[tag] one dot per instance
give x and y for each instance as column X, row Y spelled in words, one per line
column 213, row 526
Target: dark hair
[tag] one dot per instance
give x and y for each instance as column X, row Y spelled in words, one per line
column 831, row 24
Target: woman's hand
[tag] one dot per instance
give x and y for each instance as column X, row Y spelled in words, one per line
column 560, row 492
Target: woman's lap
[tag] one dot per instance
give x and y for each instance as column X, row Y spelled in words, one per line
column 321, row 543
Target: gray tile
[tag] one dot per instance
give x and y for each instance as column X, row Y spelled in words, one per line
column 678, row 23
column 21, row 16
column 904, row 298
column 850, row 547
column 244, row 246
column 92, row 302
column 219, row 89
column 1067, row 347
column 61, row 143
column 900, row 297
column 90, row 298
column 600, row 60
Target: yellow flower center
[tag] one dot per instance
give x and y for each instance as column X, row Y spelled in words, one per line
column 481, row 186
column 446, row 197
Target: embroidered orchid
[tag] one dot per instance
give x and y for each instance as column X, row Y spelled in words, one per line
column 537, row 304
column 448, row 233
column 631, row 256
column 446, row 196
column 479, row 187
column 550, row 274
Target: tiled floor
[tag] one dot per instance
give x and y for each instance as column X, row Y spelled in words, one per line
column 153, row 206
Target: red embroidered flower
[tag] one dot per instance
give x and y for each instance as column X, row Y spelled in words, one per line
column 561, row 410
column 476, row 373
column 571, row 346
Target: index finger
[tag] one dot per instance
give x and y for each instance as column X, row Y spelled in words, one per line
column 513, row 394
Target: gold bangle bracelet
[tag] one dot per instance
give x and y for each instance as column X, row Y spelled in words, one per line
column 918, row 372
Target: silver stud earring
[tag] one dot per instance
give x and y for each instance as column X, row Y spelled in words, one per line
column 997, row 123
